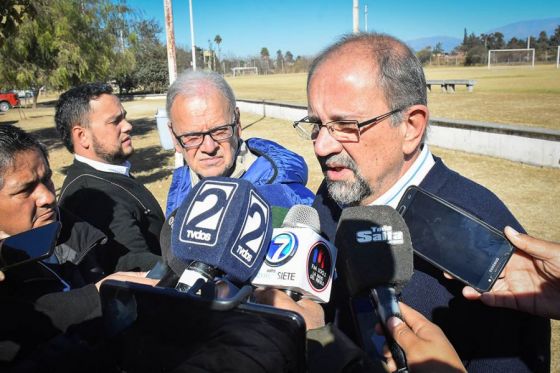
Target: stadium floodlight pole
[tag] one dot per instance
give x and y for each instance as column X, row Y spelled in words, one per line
column 356, row 14
column 365, row 18
column 171, row 61
column 193, row 49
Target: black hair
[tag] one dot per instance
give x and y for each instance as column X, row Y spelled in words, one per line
column 14, row 140
column 73, row 108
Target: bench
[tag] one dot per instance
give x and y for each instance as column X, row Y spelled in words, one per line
column 448, row 85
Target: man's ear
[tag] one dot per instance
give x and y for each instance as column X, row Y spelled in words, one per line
column 416, row 120
column 80, row 137
column 238, row 121
column 178, row 147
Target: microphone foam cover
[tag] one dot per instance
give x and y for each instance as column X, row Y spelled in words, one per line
column 302, row 216
column 374, row 248
column 225, row 223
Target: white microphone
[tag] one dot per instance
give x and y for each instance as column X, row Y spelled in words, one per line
column 299, row 260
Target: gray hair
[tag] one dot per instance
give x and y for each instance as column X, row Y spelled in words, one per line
column 188, row 81
column 400, row 73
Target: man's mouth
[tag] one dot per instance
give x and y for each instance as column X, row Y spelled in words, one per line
column 47, row 216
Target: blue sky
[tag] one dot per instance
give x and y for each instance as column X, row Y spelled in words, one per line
column 304, row 27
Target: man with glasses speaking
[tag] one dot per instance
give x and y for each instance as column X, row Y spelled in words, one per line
column 205, row 124
column 367, row 118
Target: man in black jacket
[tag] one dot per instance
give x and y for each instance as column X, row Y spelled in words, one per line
column 99, row 188
column 49, row 313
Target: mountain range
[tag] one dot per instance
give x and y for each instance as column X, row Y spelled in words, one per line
column 520, row 30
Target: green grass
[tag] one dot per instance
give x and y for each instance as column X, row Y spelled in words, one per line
column 503, row 95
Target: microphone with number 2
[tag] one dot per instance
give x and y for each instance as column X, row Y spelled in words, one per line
column 222, row 228
column 375, row 256
column 299, row 261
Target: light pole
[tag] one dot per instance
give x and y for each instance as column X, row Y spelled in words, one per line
column 356, row 18
column 193, row 49
column 365, row 18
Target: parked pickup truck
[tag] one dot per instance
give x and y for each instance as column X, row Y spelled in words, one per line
column 8, row 101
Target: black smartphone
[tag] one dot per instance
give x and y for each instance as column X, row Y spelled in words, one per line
column 32, row 245
column 454, row 240
column 180, row 328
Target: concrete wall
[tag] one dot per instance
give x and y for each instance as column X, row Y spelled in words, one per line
column 536, row 146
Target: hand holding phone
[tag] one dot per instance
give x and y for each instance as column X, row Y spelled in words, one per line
column 453, row 240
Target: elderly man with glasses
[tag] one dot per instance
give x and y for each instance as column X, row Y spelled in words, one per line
column 205, row 124
column 367, row 118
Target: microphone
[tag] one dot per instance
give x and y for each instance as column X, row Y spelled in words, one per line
column 299, row 260
column 376, row 257
column 221, row 229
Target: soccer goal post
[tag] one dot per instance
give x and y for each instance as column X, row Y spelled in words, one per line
column 245, row 70
column 558, row 57
column 511, row 57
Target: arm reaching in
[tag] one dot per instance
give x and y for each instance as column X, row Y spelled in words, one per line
column 426, row 347
column 530, row 281
column 311, row 312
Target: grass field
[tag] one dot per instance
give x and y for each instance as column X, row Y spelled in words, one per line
column 516, row 95
column 530, row 192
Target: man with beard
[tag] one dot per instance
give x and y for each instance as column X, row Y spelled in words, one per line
column 98, row 187
column 367, row 118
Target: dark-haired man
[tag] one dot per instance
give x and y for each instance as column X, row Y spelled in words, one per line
column 367, row 117
column 99, row 187
column 48, row 309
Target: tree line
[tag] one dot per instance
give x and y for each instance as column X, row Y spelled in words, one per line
column 474, row 48
column 62, row 43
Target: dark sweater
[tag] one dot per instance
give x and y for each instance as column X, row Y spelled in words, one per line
column 43, row 326
column 122, row 208
column 487, row 339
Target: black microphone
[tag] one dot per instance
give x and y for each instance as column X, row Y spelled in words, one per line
column 221, row 229
column 299, row 260
column 375, row 256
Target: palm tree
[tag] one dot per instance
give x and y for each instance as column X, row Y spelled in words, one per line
column 218, row 41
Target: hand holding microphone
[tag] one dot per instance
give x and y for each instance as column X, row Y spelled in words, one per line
column 221, row 229
column 299, row 260
column 375, row 257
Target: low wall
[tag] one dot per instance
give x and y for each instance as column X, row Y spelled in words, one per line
column 536, row 146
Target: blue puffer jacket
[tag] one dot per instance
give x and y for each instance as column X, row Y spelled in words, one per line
column 278, row 174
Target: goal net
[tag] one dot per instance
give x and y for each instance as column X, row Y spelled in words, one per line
column 511, row 57
column 245, row 71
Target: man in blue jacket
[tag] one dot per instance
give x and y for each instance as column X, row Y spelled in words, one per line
column 204, row 121
column 367, row 117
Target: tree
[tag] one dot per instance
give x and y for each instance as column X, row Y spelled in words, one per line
column 265, row 56
column 279, row 61
column 151, row 73
column 289, row 58
column 218, row 41
column 64, row 44
column 438, row 49
column 424, row 55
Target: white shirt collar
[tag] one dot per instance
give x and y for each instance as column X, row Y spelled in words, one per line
column 123, row 169
column 414, row 176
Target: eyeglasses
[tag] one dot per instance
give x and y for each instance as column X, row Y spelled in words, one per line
column 195, row 139
column 341, row 130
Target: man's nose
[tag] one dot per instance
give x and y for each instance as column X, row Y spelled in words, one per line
column 45, row 196
column 126, row 126
column 208, row 144
column 326, row 144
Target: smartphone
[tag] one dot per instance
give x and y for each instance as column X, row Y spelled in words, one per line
column 32, row 245
column 454, row 240
column 178, row 327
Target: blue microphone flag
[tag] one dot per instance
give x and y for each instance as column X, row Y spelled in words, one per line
column 224, row 223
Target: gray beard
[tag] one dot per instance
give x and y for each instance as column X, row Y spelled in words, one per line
column 348, row 192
